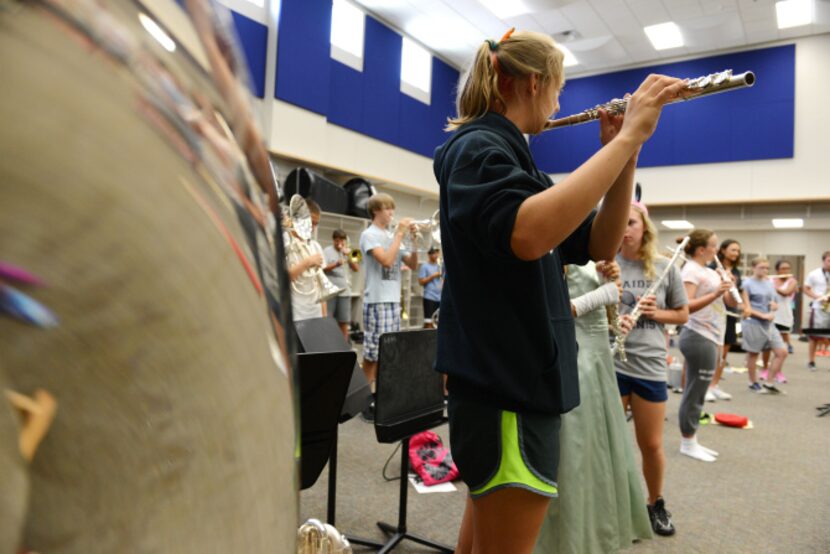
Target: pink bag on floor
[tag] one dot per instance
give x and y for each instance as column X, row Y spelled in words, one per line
column 430, row 460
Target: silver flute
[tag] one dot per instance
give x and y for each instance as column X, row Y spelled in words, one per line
column 736, row 296
column 723, row 81
column 619, row 342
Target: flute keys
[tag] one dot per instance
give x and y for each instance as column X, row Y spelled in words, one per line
column 723, row 76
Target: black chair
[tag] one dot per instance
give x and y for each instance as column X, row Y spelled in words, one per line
column 324, row 379
column 410, row 399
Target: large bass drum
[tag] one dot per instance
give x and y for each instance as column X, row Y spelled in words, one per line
column 141, row 286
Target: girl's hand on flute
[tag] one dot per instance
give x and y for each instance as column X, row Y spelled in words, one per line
column 725, row 286
column 648, row 306
column 626, row 324
column 609, row 126
column 609, row 270
column 645, row 105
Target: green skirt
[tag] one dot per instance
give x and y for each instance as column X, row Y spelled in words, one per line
column 600, row 507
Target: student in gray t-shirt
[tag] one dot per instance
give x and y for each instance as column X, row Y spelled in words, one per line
column 642, row 379
column 758, row 332
column 383, row 255
column 339, row 267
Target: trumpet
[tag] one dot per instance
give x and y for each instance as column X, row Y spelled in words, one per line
column 424, row 233
column 713, row 83
column 354, row 256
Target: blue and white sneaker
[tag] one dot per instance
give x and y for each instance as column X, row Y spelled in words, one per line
column 757, row 388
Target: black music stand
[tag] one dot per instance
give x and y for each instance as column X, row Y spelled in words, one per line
column 324, row 379
column 824, row 409
column 324, row 335
column 410, row 399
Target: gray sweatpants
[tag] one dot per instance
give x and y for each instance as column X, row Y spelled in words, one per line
column 701, row 357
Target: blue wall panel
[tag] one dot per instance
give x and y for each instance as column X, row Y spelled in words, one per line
column 368, row 101
column 254, row 38
column 303, row 54
column 345, row 102
column 750, row 124
column 381, row 82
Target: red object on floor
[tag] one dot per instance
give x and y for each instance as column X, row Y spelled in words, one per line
column 731, row 420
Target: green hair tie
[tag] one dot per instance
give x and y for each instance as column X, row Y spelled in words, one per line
column 493, row 44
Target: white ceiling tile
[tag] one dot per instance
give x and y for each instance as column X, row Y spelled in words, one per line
column 712, row 30
column 610, row 31
column 553, row 21
column 524, row 22
column 711, row 7
column 680, row 11
column 761, row 25
column 649, row 12
column 755, row 4
column 587, row 21
column 759, row 36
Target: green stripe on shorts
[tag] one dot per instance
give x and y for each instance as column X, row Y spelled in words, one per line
column 513, row 472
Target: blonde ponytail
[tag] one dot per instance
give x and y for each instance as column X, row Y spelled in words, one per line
column 521, row 55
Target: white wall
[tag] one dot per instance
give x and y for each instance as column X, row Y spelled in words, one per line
column 805, row 176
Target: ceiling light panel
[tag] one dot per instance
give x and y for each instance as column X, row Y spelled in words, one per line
column 677, row 224
column 504, row 9
column 664, row 36
column 788, row 223
column 794, row 13
column 570, row 60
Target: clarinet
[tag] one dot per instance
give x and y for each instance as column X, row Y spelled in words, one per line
column 613, row 313
column 723, row 275
column 619, row 342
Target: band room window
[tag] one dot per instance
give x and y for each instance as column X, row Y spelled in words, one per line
column 348, row 25
column 416, row 71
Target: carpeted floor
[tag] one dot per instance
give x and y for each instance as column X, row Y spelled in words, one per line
column 768, row 492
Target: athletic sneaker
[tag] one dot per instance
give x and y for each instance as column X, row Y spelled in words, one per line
column 780, row 378
column 368, row 415
column 772, row 388
column 719, row 394
column 710, row 396
column 757, row 388
column 811, row 366
column 660, row 518
column 790, row 348
column 763, row 375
